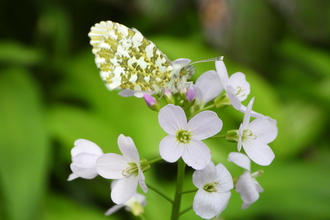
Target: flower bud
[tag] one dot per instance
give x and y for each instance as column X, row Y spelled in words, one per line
column 190, row 95
column 151, row 102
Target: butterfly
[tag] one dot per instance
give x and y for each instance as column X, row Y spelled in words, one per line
column 128, row 61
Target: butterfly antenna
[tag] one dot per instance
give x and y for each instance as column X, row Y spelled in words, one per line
column 208, row 60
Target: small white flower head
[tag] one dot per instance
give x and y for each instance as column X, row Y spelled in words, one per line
column 84, row 156
column 255, row 136
column 236, row 87
column 214, row 184
column 184, row 139
column 246, row 185
column 125, row 168
column 134, row 205
column 207, row 87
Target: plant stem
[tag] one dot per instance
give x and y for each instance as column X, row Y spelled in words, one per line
column 179, row 185
column 160, row 193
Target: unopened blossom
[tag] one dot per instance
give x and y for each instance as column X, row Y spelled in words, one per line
column 214, row 184
column 135, row 205
column 236, row 86
column 184, row 139
column 125, row 168
column 254, row 137
column 246, row 185
column 207, row 87
column 84, row 155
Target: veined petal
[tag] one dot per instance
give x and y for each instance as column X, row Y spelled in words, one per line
column 222, row 72
column 111, row 166
column 204, row 125
column 124, row 189
column 207, row 205
column 85, row 146
column 210, row 86
column 264, row 129
column 204, row 176
column 172, row 118
column 247, row 115
column 128, row 148
column 170, row 149
column 240, row 160
column 224, row 179
column 196, row 154
column 142, row 182
column 242, row 87
column 247, row 189
column 258, row 152
column 84, row 165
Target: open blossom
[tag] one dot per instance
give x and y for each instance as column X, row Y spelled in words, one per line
column 255, row 136
column 84, row 156
column 184, row 139
column 246, row 185
column 214, row 184
column 207, row 87
column 125, row 168
column 236, row 87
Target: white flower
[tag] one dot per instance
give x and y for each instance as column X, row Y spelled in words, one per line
column 125, row 168
column 255, row 136
column 207, row 87
column 184, row 139
column 246, row 185
column 135, row 205
column 214, row 184
column 84, row 156
column 236, row 86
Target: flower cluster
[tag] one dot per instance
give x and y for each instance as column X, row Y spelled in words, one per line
column 186, row 117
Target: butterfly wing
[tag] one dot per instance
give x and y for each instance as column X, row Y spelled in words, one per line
column 127, row 60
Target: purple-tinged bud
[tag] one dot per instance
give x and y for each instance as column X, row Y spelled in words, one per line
column 168, row 96
column 190, row 95
column 151, row 102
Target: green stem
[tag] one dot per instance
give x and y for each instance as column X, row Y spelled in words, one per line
column 142, row 217
column 154, row 160
column 160, row 193
column 218, row 136
column 189, row 191
column 179, row 185
column 201, row 110
column 185, row 210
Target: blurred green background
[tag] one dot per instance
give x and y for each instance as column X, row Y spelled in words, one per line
column 51, row 94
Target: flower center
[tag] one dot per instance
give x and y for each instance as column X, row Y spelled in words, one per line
column 247, row 134
column 131, row 169
column 211, row 187
column 183, row 136
column 240, row 92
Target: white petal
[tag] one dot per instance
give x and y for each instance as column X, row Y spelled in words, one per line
column 238, row 81
column 113, row 209
column 142, row 182
column 204, row 176
column 196, row 154
column 258, row 152
column 72, row 176
column 111, row 166
column 224, row 178
column 207, row 205
column 222, row 72
column 204, row 125
column 85, row 146
column 128, row 148
column 234, row 100
column 246, row 119
column 84, row 165
column 138, row 94
column 240, row 160
column 264, row 129
column 172, row 118
column 210, row 85
column 169, row 149
column 124, row 189
column 247, row 188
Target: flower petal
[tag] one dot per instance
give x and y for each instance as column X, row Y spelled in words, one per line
column 204, row 125
column 73, row 176
column 207, row 205
column 242, row 87
column 124, row 189
column 196, row 154
column 222, row 72
column 84, row 165
column 258, row 152
column 170, row 149
column 128, row 148
column 247, row 188
column 240, row 160
column 111, row 166
column 224, row 179
column 247, row 115
column 113, row 209
column 85, row 146
column 172, row 118
column 204, row 176
column 264, row 129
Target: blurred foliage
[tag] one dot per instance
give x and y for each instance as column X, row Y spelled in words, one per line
column 51, row 94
